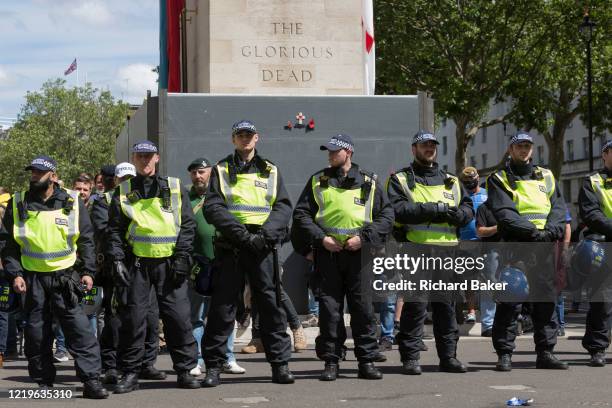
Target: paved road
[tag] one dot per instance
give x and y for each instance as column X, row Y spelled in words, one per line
column 482, row 387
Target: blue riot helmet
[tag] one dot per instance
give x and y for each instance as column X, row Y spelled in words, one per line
column 516, row 288
column 588, row 258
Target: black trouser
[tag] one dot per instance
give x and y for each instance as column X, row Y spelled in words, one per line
column 228, row 282
column 109, row 338
column 292, row 316
column 545, row 326
column 44, row 299
column 598, row 321
column 339, row 275
column 412, row 321
column 174, row 310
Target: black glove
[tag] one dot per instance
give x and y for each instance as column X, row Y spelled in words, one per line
column 256, row 243
column 433, row 210
column 454, row 216
column 181, row 269
column 72, row 290
column 543, row 236
column 121, row 275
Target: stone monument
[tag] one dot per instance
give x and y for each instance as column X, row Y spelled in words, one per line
column 290, row 47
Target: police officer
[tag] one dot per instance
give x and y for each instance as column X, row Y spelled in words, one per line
column 429, row 204
column 528, row 207
column 595, row 204
column 150, row 236
column 341, row 208
column 43, row 228
column 109, row 338
column 249, row 206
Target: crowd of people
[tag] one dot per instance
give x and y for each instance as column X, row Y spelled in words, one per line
column 108, row 266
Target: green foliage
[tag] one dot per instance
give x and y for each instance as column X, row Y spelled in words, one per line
column 75, row 126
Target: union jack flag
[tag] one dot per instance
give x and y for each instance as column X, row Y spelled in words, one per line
column 71, row 68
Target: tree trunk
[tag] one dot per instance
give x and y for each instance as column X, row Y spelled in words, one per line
column 462, row 141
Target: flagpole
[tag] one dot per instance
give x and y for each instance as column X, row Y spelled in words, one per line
column 77, row 70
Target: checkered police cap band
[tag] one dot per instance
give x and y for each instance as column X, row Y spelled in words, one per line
column 520, row 138
column 606, row 146
column 244, row 125
column 144, row 147
column 43, row 163
column 341, row 143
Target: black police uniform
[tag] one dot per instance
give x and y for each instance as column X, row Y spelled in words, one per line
column 46, row 295
column 339, row 274
column 109, row 338
column 173, row 301
column 513, row 227
column 446, row 331
column 599, row 316
column 236, row 259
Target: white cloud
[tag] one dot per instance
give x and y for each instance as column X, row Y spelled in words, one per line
column 134, row 80
column 84, row 12
column 92, row 12
column 5, row 78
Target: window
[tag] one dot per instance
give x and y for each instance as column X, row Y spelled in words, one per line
column 567, row 191
column 473, row 161
column 540, row 154
column 585, row 147
column 484, row 137
column 472, row 140
column 484, row 160
column 444, row 145
column 569, row 147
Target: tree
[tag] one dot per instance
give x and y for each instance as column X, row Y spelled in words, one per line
column 76, row 126
column 463, row 52
column 550, row 101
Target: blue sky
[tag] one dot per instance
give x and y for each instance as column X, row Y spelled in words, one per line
column 116, row 43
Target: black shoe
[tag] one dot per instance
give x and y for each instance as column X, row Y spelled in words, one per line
column 330, row 372
column 411, row 367
column 598, row 359
column 423, row 346
column 379, row 357
column 127, row 383
column 186, row 380
column 561, row 331
column 452, row 365
column 546, row 360
column 93, row 389
column 213, row 377
column 487, row 333
column 504, row 363
column 45, row 385
column 111, row 376
column 385, row 344
column 282, row 375
column 151, row 373
column 367, row 371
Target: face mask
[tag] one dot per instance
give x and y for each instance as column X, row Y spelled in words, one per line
column 471, row 185
column 40, row 186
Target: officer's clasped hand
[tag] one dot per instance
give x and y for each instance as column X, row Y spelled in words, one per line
column 454, row 215
column 543, row 236
column 181, row 268
column 257, row 242
column 120, row 274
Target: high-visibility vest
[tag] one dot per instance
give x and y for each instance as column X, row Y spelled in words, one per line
column 153, row 230
column 47, row 238
column 342, row 212
column 251, row 197
column 531, row 197
column 431, row 233
column 604, row 194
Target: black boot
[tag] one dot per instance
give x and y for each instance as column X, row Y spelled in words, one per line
column 151, row 373
column 548, row 361
column 504, row 362
column 452, row 365
column 282, row 375
column 213, row 377
column 111, row 376
column 127, row 383
column 93, row 389
column 411, row 367
column 186, row 380
column 598, row 359
column 379, row 357
column 330, row 372
column 367, row 371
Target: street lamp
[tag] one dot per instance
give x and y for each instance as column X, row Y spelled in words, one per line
column 586, row 29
